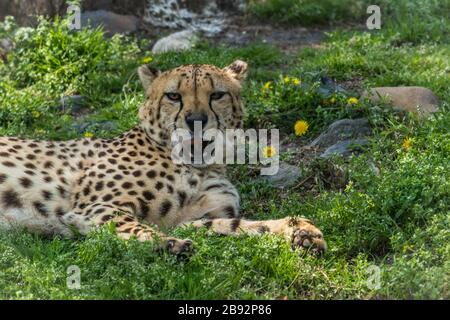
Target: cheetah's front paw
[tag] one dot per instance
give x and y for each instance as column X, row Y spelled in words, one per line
column 179, row 247
column 306, row 236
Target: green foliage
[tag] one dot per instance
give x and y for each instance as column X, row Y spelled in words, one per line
column 51, row 61
column 422, row 261
column 286, row 99
column 307, row 12
column 411, row 187
column 374, row 57
column 261, row 58
column 417, row 21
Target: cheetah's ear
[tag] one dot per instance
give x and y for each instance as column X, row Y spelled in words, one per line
column 147, row 75
column 238, row 69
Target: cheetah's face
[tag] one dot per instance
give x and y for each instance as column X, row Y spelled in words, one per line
column 192, row 95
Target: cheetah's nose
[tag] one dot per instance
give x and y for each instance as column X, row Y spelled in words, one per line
column 192, row 117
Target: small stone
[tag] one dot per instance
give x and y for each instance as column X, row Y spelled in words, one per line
column 178, row 41
column 286, row 176
column 341, row 130
column 6, row 44
column 414, row 99
column 328, row 87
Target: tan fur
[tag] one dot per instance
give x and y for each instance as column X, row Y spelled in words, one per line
column 56, row 187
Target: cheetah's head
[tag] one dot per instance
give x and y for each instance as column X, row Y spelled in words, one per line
column 191, row 94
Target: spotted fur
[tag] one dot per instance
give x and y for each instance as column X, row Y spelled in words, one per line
column 56, row 187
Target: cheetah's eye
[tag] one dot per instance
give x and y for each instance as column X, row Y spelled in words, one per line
column 173, row 96
column 217, row 95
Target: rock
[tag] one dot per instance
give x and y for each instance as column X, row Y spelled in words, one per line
column 208, row 16
column 74, row 105
column 341, row 130
column 344, row 148
column 111, row 22
column 415, row 99
column 286, row 176
column 6, row 44
column 25, row 11
column 5, row 47
column 94, row 125
column 343, row 137
column 328, row 87
column 178, row 41
column 133, row 7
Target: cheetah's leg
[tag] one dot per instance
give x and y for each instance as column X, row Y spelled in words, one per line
column 127, row 225
column 218, row 209
column 299, row 232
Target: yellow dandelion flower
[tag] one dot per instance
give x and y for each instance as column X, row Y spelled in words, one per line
column 407, row 143
column 286, row 80
column 147, row 60
column 269, row 151
column 267, row 86
column 296, row 81
column 36, row 114
column 352, row 100
column 88, row 134
column 300, row 127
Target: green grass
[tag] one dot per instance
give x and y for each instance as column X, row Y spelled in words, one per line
column 307, row 12
column 407, row 20
column 397, row 220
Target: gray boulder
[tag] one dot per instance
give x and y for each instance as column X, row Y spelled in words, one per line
column 207, row 16
column 341, row 130
column 344, row 148
column 178, row 41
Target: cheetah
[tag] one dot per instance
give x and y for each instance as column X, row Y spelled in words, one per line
column 67, row 187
